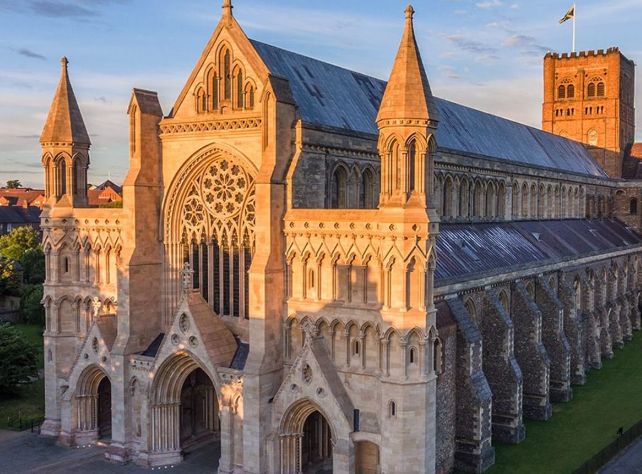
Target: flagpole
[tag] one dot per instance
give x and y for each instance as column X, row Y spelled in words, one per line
column 574, row 16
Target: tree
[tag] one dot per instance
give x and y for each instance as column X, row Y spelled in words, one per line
column 10, row 278
column 33, row 266
column 14, row 184
column 31, row 309
column 17, row 360
column 14, row 245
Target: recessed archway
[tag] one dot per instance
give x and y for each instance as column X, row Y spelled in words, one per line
column 199, row 410
column 184, row 410
column 104, row 409
column 306, row 439
column 92, row 405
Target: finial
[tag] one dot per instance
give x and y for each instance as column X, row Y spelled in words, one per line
column 64, row 62
column 409, row 12
column 95, row 302
column 227, row 7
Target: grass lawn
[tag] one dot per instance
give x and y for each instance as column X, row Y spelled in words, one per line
column 611, row 398
column 29, row 404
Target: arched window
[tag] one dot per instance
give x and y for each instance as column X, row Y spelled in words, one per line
column 340, row 188
column 201, row 101
column 76, row 177
column 412, row 152
column 448, row 197
column 249, row 96
column 591, row 90
column 600, row 89
column 525, row 207
column 61, row 171
column 633, row 206
column 215, row 83
column 240, row 99
column 356, row 350
column 413, row 355
column 392, row 409
column 227, row 75
column 570, row 91
column 367, row 190
column 561, row 92
column 437, row 357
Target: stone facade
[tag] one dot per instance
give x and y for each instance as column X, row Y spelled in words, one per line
column 287, row 286
column 589, row 97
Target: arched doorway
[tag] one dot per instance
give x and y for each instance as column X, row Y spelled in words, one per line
column 316, row 445
column 184, row 411
column 92, row 405
column 306, row 441
column 104, row 409
column 199, row 413
column 367, row 458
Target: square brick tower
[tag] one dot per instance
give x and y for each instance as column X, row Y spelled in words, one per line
column 589, row 97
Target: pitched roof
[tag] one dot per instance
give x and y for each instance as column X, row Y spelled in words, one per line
column 20, row 215
column 407, row 93
column 331, row 96
column 471, row 251
column 64, row 122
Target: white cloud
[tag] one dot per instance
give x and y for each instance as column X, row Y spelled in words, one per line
column 489, row 4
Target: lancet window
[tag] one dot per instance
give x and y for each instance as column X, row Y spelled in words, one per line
column 226, row 85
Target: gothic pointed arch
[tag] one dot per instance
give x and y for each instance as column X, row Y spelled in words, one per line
column 209, row 219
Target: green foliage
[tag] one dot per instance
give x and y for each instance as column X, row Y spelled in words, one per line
column 10, row 278
column 14, row 184
column 14, row 245
column 31, row 310
column 33, row 266
column 18, row 360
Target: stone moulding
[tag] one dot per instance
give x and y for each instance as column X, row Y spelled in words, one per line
column 210, row 126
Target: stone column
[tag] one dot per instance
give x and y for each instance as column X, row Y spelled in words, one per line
column 531, row 354
column 473, row 433
column 602, row 321
column 502, row 371
column 635, row 311
column 555, row 342
column 591, row 325
column 573, row 330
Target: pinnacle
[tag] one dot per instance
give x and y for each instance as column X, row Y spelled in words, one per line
column 227, row 7
column 64, row 122
column 408, row 94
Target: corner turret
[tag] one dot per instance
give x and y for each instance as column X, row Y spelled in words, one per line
column 65, row 148
column 407, row 120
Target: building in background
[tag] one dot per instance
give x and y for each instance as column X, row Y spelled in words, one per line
column 22, row 197
column 105, row 194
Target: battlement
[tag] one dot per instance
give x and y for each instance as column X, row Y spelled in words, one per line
column 589, row 53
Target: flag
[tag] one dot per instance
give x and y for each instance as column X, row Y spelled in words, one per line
column 569, row 15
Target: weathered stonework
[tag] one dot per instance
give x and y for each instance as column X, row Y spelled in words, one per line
column 314, row 292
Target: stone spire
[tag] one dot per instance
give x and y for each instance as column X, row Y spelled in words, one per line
column 64, row 122
column 408, row 94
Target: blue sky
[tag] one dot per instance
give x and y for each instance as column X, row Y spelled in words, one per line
column 482, row 53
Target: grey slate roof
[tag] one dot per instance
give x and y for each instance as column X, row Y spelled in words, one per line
column 20, row 215
column 332, row 96
column 468, row 251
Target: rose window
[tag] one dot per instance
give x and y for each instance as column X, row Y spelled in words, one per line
column 224, row 188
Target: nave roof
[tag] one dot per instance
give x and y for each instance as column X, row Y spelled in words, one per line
column 335, row 97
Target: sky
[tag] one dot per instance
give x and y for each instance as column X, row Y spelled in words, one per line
column 485, row 54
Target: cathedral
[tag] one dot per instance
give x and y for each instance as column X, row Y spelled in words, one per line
column 315, row 270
